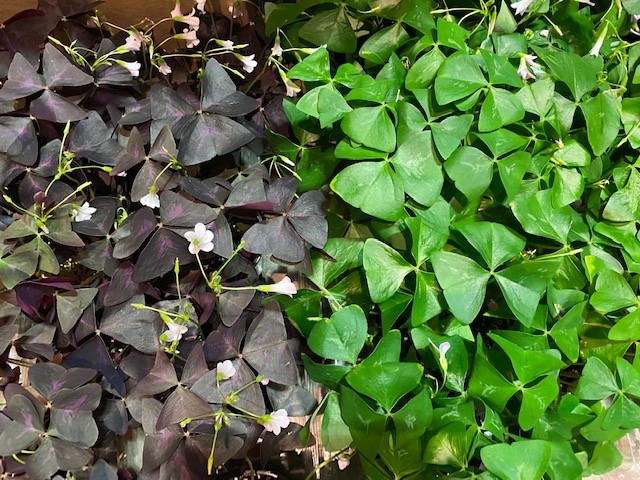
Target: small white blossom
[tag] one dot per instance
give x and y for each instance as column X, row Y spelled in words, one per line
column 595, row 50
column 175, row 332
column 264, row 381
column 444, row 348
column 284, row 286
column 200, row 239
column 544, row 33
column 248, row 62
column 190, row 36
column 276, row 50
column 309, row 51
column 275, row 421
column 226, row 44
column 292, row 88
column 83, row 212
column 521, row 6
column 133, row 67
column 343, row 462
column 488, row 434
column 191, row 19
column 200, row 5
column 134, row 42
column 225, row 370
column 151, row 200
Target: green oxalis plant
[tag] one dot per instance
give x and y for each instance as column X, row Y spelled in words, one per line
column 474, row 312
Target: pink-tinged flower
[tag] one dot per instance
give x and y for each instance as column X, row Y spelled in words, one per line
column 225, row 370
column 248, row 62
column 275, row 421
column 83, row 212
column 134, row 42
column 200, row 4
column 191, row 19
column 200, row 239
column 443, row 348
column 284, row 286
column 235, row 13
column 264, row 381
column 343, row 462
column 276, row 50
column 527, row 61
column 175, row 332
column 164, row 68
column 151, row 200
column 521, row 6
column 133, row 67
column 190, row 36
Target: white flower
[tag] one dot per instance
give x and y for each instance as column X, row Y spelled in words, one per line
column 191, row 19
column 284, row 286
column 488, row 434
column 444, row 348
column 544, row 33
column 133, row 67
column 523, row 69
column 343, row 462
column 521, row 6
column 200, row 5
column 595, row 50
column 83, row 212
column 275, row 421
column 226, row 44
column 134, row 42
column 248, row 62
column 164, row 68
column 225, row 370
column 151, row 200
column 175, row 331
column 264, row 381
column 190, row 36
column 276, row 50
column 200, row 238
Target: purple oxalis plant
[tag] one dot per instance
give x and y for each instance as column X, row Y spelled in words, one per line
column 139, row 230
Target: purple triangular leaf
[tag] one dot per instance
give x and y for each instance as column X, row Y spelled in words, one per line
column 58, row 71
column 55, row 108
column 308, row 218
column 178, row 211
column 133, row 232
column 122, row 287
column 161, row 378
column 91, row 138
column 101, row 222
column 137, row 327
column 23, row 80
column 160, row 254
column 133, row 155
column 266, row 348
column 181, row 404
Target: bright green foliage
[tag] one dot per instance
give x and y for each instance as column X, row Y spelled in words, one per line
column 484, row 207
